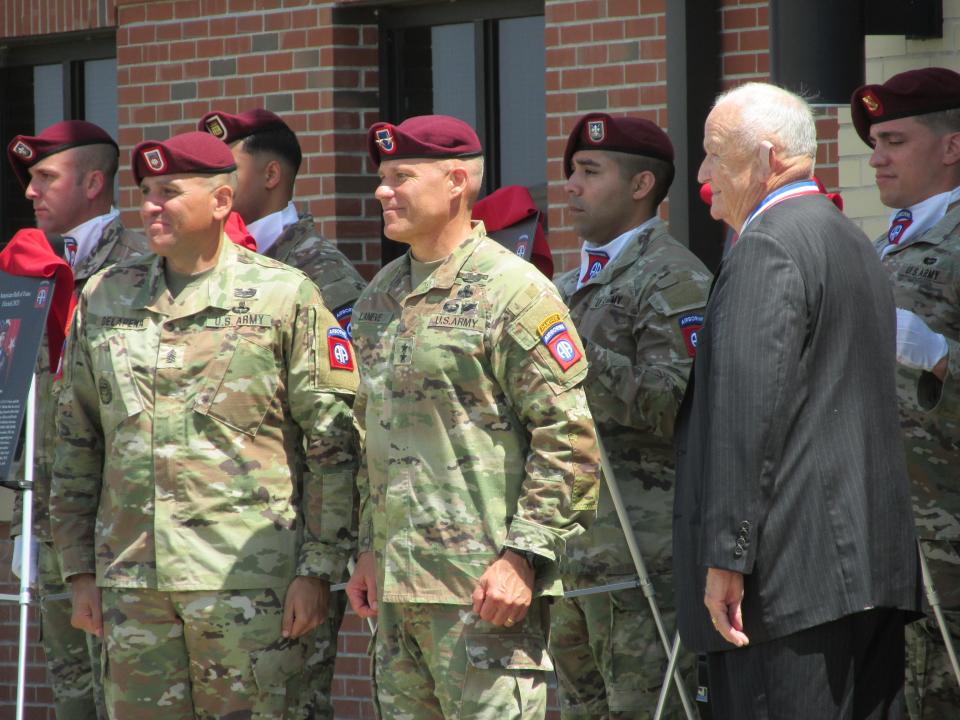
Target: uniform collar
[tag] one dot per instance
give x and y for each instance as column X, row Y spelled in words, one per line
column 445, row 275
column 268, row 229
column 640, row 237
column 934, row 236
column 216, row 290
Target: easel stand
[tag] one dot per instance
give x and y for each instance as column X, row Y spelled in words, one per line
column 26, row 553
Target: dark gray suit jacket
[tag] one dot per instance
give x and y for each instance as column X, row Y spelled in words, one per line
column 790, row 468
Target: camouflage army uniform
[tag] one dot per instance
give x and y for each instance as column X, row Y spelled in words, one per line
column 926, row 280
column 301, row 246
column 206, row 457
column 638, row 318
column 77, row 691
column 478, row 438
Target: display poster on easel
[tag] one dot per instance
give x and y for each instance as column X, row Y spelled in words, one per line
column 24, row 304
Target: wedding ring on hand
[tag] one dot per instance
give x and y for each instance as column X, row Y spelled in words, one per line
column 509, row 622
column 714, row 621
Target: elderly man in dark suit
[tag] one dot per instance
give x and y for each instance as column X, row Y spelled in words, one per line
column 792, row 512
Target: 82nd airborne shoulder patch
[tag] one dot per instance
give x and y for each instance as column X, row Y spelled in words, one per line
column 338, row 347
column 554, row 334
column 690, row 326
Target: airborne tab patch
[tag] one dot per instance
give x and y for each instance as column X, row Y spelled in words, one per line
column 559, row 343
column 344, row 316
column 690, row 326
column 338, row 346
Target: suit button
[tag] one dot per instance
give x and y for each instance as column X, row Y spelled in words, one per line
column 744, row 526
column 738, row 551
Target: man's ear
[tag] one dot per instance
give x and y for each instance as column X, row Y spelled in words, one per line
column 94, row 183
column 222, row 202
column 951, row 151
column 642, row 184
column 458, row 179
column 766, row 160
column 272, row 174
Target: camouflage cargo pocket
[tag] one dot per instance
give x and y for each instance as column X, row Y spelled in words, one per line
column 279, row 662
column 507, row 651
column 245, row 392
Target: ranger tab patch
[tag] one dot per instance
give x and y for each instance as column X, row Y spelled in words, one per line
column 690, row 326
column 338, row 345
column 554, row 334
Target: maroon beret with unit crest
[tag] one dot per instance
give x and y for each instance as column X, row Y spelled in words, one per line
column 231, row 128
column 914, row 92
column 635, row 136
column 191, row 153
column 25, row 151
column 423, row 136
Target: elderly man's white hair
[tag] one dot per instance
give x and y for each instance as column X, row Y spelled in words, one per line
column 770, row 113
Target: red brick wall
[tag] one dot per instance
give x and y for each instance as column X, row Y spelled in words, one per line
column 607, row 55
column 178, row 60
column 43, row 17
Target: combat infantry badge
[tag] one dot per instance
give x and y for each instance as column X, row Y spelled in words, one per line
column 385, row 141
column 597, row 130
column 155, row 159
column 23, row 150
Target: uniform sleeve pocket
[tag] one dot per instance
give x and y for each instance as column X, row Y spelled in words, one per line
column 490, row 651
column 245, row 392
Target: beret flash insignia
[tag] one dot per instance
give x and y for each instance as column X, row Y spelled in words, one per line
column 385, row 141
column 872, row 103
column 23, row 150
column 216, row 127
column 596, row 130
column 155, row 160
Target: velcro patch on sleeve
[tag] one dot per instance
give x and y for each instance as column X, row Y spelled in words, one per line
column 558, row 341
column 341, row 353
column 690, row 326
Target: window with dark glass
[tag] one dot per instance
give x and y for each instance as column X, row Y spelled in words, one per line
column 44, row 80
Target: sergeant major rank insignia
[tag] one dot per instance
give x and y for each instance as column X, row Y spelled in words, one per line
column 155, row 160
column 338, row 345
column 596, row 130
column 385, row 140
column 216, row 127
column 553, row 333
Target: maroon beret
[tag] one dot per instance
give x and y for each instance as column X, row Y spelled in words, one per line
column 423, row 136
column 599, row 131
column 25, row 151
column 192, row 153
column 231, row 128
column 914, row 92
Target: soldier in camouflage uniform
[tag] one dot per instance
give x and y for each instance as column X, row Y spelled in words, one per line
column 480, row 455
column 206, row 458
column 637, row 300
column 268, row 157
column 912, row 122
column 68, row 171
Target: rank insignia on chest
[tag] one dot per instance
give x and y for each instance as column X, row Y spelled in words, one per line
column 338, row 346
column 690, row 326
column 170, row 357
column 561, row 345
